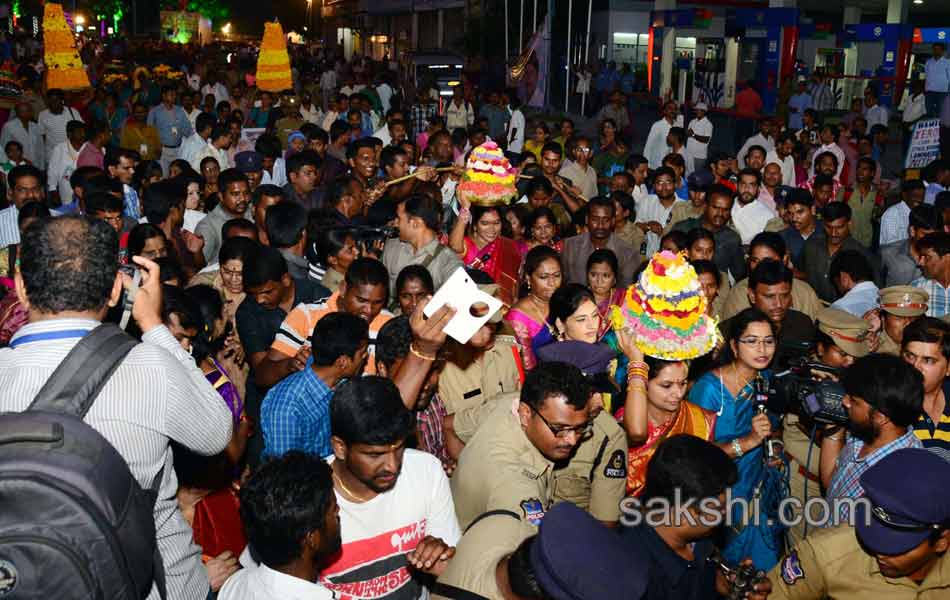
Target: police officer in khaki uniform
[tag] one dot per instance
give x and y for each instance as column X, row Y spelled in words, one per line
column 595, row 476
column 571, row 556
column 900, row 304
column 489, row 540
column 842, row 338
column 473, row 376
column 897, row 549
column 508, row 463
column 488, row 365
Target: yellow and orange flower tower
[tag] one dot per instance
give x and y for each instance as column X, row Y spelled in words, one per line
column 273, row 63
column 64, row 68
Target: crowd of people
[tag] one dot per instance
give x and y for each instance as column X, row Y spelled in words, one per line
column 315, row 433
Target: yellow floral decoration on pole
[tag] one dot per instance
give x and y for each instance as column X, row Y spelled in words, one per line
column 64, row 68
column 273, row 63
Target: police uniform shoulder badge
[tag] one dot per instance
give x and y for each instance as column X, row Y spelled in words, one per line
column 533, row 511
column 616, row 467
column 792, row 569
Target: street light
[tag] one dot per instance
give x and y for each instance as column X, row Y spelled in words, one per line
column 80, row 20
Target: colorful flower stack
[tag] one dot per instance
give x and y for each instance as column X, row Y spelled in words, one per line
column 666, row 310
column 273, row 63
column 489, row 178
column 164, row 71
column 64, row 68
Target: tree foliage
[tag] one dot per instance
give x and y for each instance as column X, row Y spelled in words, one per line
column 215, row 10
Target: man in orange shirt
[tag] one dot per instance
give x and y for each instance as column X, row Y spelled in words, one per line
column 364, row 292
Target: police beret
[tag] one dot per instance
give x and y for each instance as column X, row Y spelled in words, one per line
column 907, row 500
column 248, row 161
column 569, row 558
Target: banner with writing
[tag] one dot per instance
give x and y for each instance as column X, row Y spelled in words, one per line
column 924, row 144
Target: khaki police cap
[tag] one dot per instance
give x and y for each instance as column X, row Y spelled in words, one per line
column 847, row 331
column 904, row 301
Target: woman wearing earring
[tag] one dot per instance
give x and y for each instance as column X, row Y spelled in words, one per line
column 573, row 314
column 656, row 409
column 602, row 269
column 477, row 239
column 542, row 275
column 729, row 390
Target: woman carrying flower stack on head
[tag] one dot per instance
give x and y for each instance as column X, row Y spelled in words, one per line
column 487, row 186
column 661, row 325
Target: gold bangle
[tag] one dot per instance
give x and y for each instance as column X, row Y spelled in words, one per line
column 428, row 357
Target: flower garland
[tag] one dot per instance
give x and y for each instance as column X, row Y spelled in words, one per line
column 64, row 68
column 273, row 62
column 666, row 310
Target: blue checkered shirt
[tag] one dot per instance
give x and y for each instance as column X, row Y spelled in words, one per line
column 939, row 303
column 295, row 415
column 846, row 480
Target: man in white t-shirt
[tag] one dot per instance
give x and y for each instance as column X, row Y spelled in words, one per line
column 396, row 509
column 699, row 132
column 749, row 215
column 782, row 156
column 656, row 148
column 292, row 520
column 216, row 89
column 54, row 119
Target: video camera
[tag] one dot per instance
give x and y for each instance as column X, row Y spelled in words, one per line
column 798, row 389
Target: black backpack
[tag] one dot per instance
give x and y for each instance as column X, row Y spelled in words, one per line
column 74, row 522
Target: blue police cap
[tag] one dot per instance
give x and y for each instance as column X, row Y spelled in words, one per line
column 589, row 358
column 907, row 501
column 569, row 558
column 248, row 161
column 700, row 180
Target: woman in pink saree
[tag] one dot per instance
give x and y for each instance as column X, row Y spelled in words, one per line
column 541, row 276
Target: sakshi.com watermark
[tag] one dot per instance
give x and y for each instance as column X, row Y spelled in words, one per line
column 740, row 512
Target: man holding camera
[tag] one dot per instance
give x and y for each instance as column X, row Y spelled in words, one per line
column 884, row 398
column 897, row 548
column 840, row 340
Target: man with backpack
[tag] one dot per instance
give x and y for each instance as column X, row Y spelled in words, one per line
column 137, row 396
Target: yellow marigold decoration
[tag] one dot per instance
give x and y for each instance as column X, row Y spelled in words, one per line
column 113, row 77
column 64, row 68
column 273, row 63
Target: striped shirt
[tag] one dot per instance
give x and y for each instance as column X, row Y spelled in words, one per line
column 157, row 394
column 935, row 435
column 295, row 331
column 846, row 479
column 939, row 303
column 9, row 226
column 295, row 415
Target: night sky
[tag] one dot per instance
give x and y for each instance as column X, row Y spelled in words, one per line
column 248, row 17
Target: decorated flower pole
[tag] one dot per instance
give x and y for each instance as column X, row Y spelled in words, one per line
column 666, row 311
column 489, row 179
column 64, row 68
column 273, row 63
